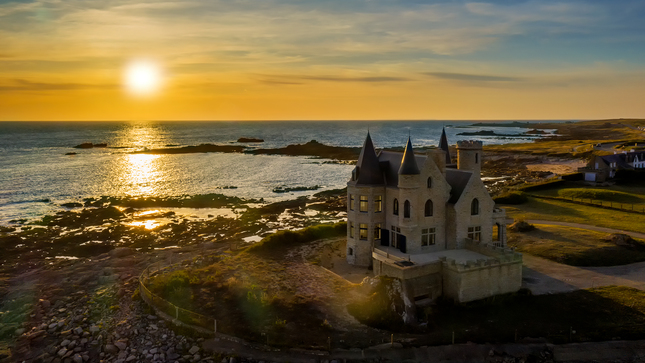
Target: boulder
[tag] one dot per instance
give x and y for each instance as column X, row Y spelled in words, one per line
column 121, row 252
column 623, row 240
column 521, row 226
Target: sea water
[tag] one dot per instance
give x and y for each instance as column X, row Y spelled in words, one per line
column 36, row 176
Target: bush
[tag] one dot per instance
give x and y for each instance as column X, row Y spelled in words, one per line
column 285, row 239
column 521, row 226
column 513, row 197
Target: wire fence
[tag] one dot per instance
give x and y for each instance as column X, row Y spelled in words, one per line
column 179, row 316
column 625, row 207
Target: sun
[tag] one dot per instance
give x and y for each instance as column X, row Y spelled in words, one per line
column 142, row 78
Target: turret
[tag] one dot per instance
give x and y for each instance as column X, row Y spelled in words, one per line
column 469, row 154
column 443, row 145
column 368, row 171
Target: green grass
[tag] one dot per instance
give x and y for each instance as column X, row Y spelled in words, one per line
column 610, row 194
column 276, row 243
column 574, row 246
column 555, row 210
column 597, row 314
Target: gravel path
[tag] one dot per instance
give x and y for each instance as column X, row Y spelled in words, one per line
column 543, row 276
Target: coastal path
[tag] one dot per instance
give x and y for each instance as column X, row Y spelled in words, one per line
column 543, row 276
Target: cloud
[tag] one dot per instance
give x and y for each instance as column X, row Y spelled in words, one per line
column 473, row 77
column 294, row 79
column 17, row 85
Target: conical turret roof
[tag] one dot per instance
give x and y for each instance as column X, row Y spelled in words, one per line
column 368, row 169
column 408, row 163
column 443, row 145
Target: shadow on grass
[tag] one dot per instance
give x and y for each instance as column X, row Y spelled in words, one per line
column 595, row 314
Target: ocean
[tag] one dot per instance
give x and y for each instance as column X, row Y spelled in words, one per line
column 36, row 176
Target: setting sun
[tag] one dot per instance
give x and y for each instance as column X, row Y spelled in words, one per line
column 142, row 78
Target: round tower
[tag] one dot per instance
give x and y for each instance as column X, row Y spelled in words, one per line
column 365, row 206
column 469, row 155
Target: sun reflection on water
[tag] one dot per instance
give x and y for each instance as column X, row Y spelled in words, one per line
column 142, row 171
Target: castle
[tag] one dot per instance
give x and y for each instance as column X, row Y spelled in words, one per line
column 430, row 223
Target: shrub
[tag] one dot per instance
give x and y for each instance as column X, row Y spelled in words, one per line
column 512, row 197
column 285, row 239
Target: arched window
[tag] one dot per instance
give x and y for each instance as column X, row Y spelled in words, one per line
column 395, row 207
column 429, row 182
column 350, row 251
column 429, row 208
column 476, row 158
column 474, row 207
column 406, row 209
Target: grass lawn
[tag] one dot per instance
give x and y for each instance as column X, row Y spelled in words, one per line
column 618, row 195
column 597, row 314
column 574, row 246
column 554, row 210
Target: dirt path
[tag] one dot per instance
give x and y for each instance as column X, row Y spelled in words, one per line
column 542, row 276
column 587, row 226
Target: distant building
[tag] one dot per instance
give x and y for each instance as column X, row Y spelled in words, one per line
column 430, row 223
column 603, row 168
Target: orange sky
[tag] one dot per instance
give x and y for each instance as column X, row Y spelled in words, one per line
column 65, row 60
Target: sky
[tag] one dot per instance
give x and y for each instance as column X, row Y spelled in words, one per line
column 323, row 59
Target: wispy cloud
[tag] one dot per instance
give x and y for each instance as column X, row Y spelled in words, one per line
column 295, row 79
column 16, row 85
column 473, row 77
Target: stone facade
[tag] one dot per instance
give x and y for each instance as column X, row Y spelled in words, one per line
column 422, row 206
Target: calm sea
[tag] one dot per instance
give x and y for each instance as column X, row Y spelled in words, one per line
column 36, row 176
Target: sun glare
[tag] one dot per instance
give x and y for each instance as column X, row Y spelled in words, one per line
column 142, row 78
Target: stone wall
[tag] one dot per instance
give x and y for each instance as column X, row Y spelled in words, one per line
column 483, row 278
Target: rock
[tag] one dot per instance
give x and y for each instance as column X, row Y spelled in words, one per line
column 249, row 139
column 109, row 348
column 78, row 331
column 623, row 240
column 20, row 331
column 521, row 226
column 193, row 350
column 94, row 329
column 62, row 352
column 85, row 145
column 52, row 325
column 121, row 345
column 45, row 303
column 152, row 317
column 120, row 252
column 131, row 358
column 153, row 350
column 77, row 358
column 65, row 343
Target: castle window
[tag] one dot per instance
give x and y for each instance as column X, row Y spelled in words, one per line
column 427, row 237
column 351, row 202
column 377, row 232
column 474, row 207
column 362, row 231
column 394, row 241
column 395, row 207
column 476, row 158
column 350, row 251
column 363, row 203
column 406, row 209
column 351, row 229
column 429, row 209
column 429, row 182
column 475, row 233
column 378, row 203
